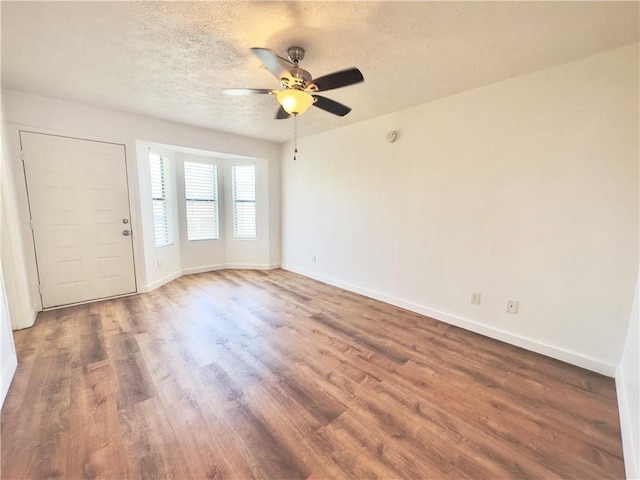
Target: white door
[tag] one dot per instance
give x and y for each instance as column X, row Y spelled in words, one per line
column 79, row 202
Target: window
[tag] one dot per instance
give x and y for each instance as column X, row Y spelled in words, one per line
column 161, row 216
column 244, row 201
column 201, row 194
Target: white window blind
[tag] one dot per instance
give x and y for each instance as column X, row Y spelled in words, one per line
column 244, row 201
column 161, row 218
column 201, row 194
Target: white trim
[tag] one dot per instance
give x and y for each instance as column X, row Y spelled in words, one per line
column 568, row 356
column 159, row 283
column 8, row 370
column 631, row 454
column 35, row 310
column 209, row 268
column 230, row 266
column 251, row 266
column 174, row 276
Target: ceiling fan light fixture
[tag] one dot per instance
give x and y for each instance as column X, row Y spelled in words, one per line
column 294, row 101
column 297, row 87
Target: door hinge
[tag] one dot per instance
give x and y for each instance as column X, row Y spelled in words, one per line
column 22, row 155
column 40, row 289
column 31, row 224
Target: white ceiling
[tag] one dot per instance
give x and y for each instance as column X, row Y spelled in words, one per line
column 171, row 60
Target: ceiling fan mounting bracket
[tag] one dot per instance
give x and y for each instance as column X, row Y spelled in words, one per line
column 295, row 54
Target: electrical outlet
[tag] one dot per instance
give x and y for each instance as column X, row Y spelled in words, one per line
column 512, row 306
column 159, row 263
column 475, row 297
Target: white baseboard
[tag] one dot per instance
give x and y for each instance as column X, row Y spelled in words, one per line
column 630, row 452
column 35, row 310
column 8, row 370
column 251, row 266
column 208, row 268
column 558, row 353
column 159, row 283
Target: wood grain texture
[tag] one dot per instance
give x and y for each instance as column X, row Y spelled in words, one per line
column 245, row 374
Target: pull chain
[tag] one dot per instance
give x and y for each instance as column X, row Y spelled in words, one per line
column 295, row 137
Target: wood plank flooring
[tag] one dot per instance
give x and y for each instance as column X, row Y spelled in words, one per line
column 245, row 374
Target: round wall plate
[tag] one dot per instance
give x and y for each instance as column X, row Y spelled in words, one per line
column 391, row 136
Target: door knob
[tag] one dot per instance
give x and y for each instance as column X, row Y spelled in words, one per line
column 126, row 233
column 125, row 220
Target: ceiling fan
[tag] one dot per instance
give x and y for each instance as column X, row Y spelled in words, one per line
column 299, row 88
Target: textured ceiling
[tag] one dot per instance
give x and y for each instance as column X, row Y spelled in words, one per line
column 171, row 60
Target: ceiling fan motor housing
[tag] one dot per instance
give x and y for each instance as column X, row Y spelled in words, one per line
column 296, row 77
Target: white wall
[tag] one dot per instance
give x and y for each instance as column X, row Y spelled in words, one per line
column 8, row 358
column 40, row 114
column 22, row 300
column 628, row 387
column 524, row 190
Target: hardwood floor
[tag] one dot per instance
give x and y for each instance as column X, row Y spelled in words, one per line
column 245, row 374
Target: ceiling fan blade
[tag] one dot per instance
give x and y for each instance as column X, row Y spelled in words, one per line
column 282, row 114
column 331, row 106
column 273, row 62
column 339, row 79
column 248, row 91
